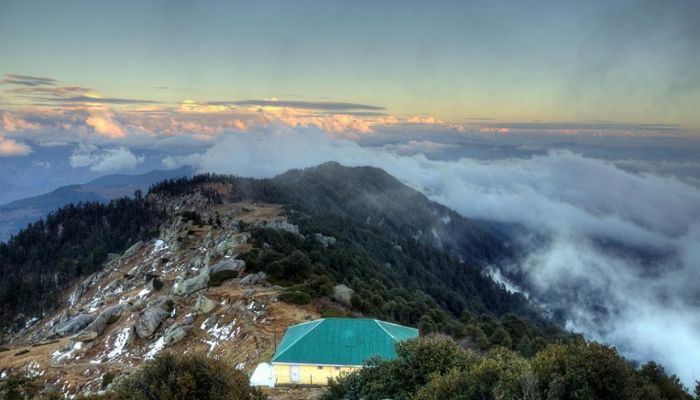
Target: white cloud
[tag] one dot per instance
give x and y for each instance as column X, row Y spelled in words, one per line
column 11, row 147
column 647, row 309
column 104, row 160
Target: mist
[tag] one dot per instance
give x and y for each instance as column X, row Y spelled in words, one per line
column 618, row 250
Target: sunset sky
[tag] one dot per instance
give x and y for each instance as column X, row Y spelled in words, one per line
column 114, row 69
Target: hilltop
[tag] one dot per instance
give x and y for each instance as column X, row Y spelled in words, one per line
column 223, row 264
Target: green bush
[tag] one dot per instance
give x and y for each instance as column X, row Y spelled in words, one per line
column 295, row 297
column 435, row 368
column 189, row 376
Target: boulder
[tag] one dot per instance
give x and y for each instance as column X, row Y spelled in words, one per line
column 191, row 285
column 253, row 279
column 85, row 336
column 106, row 317
column 131, row 251
column 204, row 305
column 343, row 294
column 151, row 318
column 226, row 269
column 73, row 325
column 175, row 333
column 188, row 319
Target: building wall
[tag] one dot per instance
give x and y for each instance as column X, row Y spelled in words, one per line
column 309, row 374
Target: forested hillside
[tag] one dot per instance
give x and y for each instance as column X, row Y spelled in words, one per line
column 47, row 256
column 407, row 258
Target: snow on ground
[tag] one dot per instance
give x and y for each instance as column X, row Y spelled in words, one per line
column 58, row 355
column 155, row 348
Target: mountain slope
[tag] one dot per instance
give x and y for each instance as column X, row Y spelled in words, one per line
column 264, row 253
column 17, row 214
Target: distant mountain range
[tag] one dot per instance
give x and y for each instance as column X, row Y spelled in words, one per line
column 17, row 214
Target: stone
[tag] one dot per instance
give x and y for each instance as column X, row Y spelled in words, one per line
column 175, row 333
column 106, row 317
column 203, row 305
column 343, row 294
column 131, row 251
column 226, row 269
column 188, row 319
column 253, row 279
column 85, row 336
column 73, row 325
column 191, row 285
column 281, row 223
column 151, row 318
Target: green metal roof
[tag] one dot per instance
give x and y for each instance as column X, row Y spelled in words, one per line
column 340, row 341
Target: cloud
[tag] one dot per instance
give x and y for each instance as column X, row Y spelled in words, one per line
column 584, row 128
column 104, row 160
column 305, row 105
column 26, row 80
column 616, row 251
column 104, row 124
column 12, row 123
column 98, row 100
column 11, row 147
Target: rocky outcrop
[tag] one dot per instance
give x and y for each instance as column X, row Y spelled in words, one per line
column 343, row 294
column 253, row 279
column 106, row 317
column 151, row 318
column 228, row 246
column 73, row 325
column 131, row 251
column 203, row 305
column 226, row 269
column 281, row 223
column 175, row 333
column 191, row 285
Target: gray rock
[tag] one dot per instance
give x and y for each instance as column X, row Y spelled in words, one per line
column 227, row 269
column 188, row 319
column 85, row 336
column 151, row 318
column 73, row 325
column 175, row 333
column 204, row 305
column 281, row 223
column 131, row 251
column 253, row 279
column 191, row 285
column 343, row 294
column 80, row 289
column 106, row 317
column 201, row 262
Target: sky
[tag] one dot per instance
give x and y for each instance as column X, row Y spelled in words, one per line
column 118, row 68
column 576, row 120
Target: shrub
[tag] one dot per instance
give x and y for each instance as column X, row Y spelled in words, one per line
column 190, row 376
column 295, row 297
column 18, row 386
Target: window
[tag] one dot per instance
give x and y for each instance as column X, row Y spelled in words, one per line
column 320, row 367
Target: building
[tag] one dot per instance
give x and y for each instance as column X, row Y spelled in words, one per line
column 312, row 352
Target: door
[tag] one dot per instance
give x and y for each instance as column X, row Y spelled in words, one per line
column 294, row 374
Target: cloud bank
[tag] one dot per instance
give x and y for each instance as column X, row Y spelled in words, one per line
column 617, row 253
column 104, row 160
